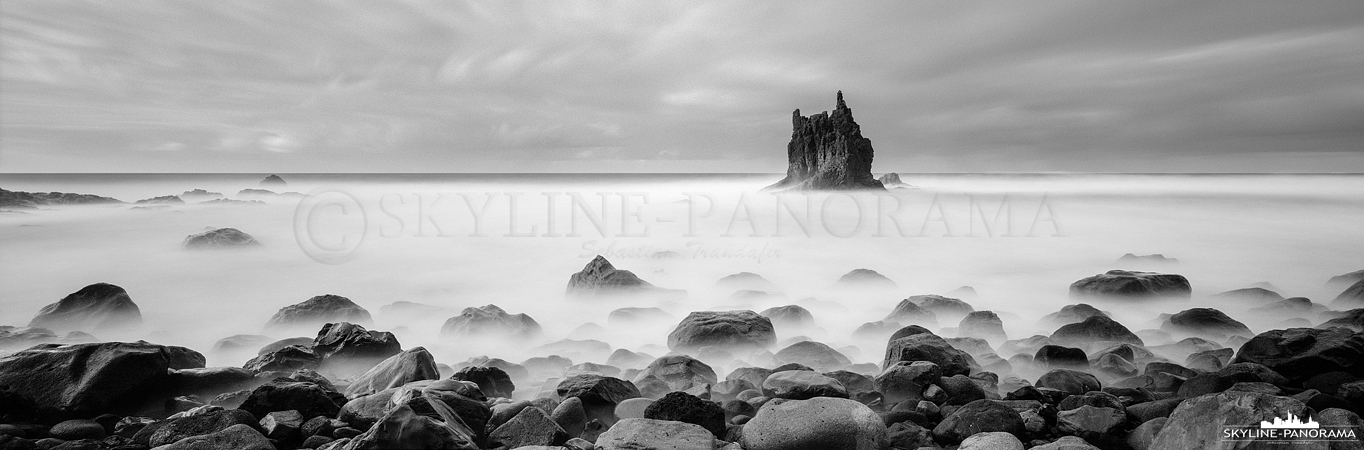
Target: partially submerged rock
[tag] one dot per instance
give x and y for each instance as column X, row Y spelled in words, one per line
column 722, row 329
column 1131, row 284
column 100, row 307
column 317, row 311
column 219, row 239
column 492, row 322
column 601, row 279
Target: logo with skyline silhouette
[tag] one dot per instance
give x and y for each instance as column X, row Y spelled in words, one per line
column 1290, row 429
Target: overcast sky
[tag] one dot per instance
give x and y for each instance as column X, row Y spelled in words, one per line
column 938, row 86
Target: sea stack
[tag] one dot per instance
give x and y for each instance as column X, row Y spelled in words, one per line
column 827, row 152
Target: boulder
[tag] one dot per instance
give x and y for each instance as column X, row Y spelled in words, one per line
column 285, row 359
column 789, row 317
column 27, row 200
column 316, row 312
column 813, row 354
column 1352, row 319
column 745, row 280
column 979, row 416
column 1067, row 443
column 817, row 423
column 99, row 308
column 492, row 322
column 273, row 180
column 891, row 180
column 943, row 306
column 801, row 385
column 1351, row 297
column 404, row 428
column 1253, row 294
column 1070, row 314
column 599, row 394
column 1132, row 285
column 600, row 279
column 283, row 394
column 236, row 437
column 906, row 381
column 991, row 440
column 571, row 416
column 348, row 349
column 492, row 381
column 1093, row 423
column 931, row 348
column 241, row 343
column 632, row 434
column 1199, row 422
column 683, row 407
column 1056, row 356
column 1301, row 353
column 982, row 324
column 85, row 380
column 221, row 238
column 1072, row 382
column 285, row 426
column 629, row 316
column 529, row 427
column 411, row 365
column 909, row 312
column 742, row 329
column 76, row 429
column 1206, row 323
column 1097, row 327
column 865, row 279
column 679, row 372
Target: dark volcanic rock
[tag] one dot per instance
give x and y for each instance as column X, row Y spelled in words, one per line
column 1199, row 422
column 683, row 407
column 1352, row 319
column 273, row 180
column 1072, row 382
column 236, row 437
column 1054, row 356
column 978, row 417
column 317, row 311
column 600, row 279
column 18, row 199
column 599, row 394
column 827, row 152
column 1205, row 322
column 100, row 307
column 174, row 430
column 1301, row 353
column 722, row 329
column 931, row 348
column 1097, row 327
column 308, row 399
column 492, row 322
column 1131, row 284
column 286, row 359
column 412, row 365
column 529, row 427
column 346, row 347
column 218, row 239
column 491, row 380
column 84, row 380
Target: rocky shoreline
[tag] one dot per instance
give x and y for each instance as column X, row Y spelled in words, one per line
column 1092, row 383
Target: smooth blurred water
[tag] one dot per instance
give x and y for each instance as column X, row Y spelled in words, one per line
column 418, row 242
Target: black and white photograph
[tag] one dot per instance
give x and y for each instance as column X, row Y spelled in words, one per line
column 681, row 225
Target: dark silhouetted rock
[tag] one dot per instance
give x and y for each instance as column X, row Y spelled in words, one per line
column 931, row 348
column 29, row 200
column 1352, row 319
column 308, row 399
column 683, row 407
column 1131, row 284
column 979, row 416
column 1070, row 381
column 490, row 321
column 1206, row 323
column 273, row 180
column 906, row 381
column 600, row 279
column 827, row 152
column 236, row 437
column 100, row 307
column 1095, row 328
column 347, row 348
column 162, row 200
column 529, row 427
column 286, row 359
column 84, row 380
column 947, row 307
column 599, row 394
column 219, row 239
column 722, row 329
column 200, row 195
column 411, row 365
column 1301, row 353
column 1056, row 356
column 492, row 381
column 315, row 312
column 817, row 423
column 404, row 428
column 174, row 430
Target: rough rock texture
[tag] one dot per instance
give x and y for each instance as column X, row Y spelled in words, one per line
column 491, row 380
column 827, row 152
column 529, row 427
column 19, row 199
column 282, row 394
column 801, row 385
column 1198, row 422
column 492, row 322
column 412, row 365
column 722, row 329
column 83, row 380
column 599, row 278
column 891, row 180
column 349, row 349
column 97, row 308
column 977, row 417
column 174, row 430
column 403, row 428
column 909, row 312
column 679, row 372
column 982, row 324
column 931, row 348
column 1131, row 284
column 599, row 394
column 638, row 434
column 236, row 437
column 1097, row 327
column 219, row 238
column 817, row 423
column 943, row 306
column 789, row 316
column 317, row 311
column 684, row 407
column 1301, row 353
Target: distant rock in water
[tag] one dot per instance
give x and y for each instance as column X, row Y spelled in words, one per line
column 600, row 279
column 866, row 278
column 827, row 152
column 228, row 201
column 95, row 308
column 255, row 192
column 1251, row 293
column 19, row 199
column 745, row 280
column 1131, row 284
column 891, row 180
column 162, row 200
column 1153, row 259
column 219, row 238
column 490, row 321
column 273, row 180
column 200, row 195
column 318, row 311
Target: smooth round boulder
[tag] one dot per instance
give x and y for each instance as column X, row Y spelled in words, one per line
column 632, row 434
column 931, row 348
column 821, row 423
column 679, row 372
column 991, row 440
column 1070, row 381
column 978, row 417
column 1128, row 284
column 492, row 381
column 315, row 312
column 743, row 329
column 97, row 308
column 813, row 354
column 789, row 317
column 76, row 429
column 801, row 385
column 1206, row 323
column 1096, row 327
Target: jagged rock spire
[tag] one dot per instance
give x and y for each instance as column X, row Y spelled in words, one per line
column 827, row 151
column 841, row 105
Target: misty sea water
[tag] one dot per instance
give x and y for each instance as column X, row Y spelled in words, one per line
column 463, row 240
